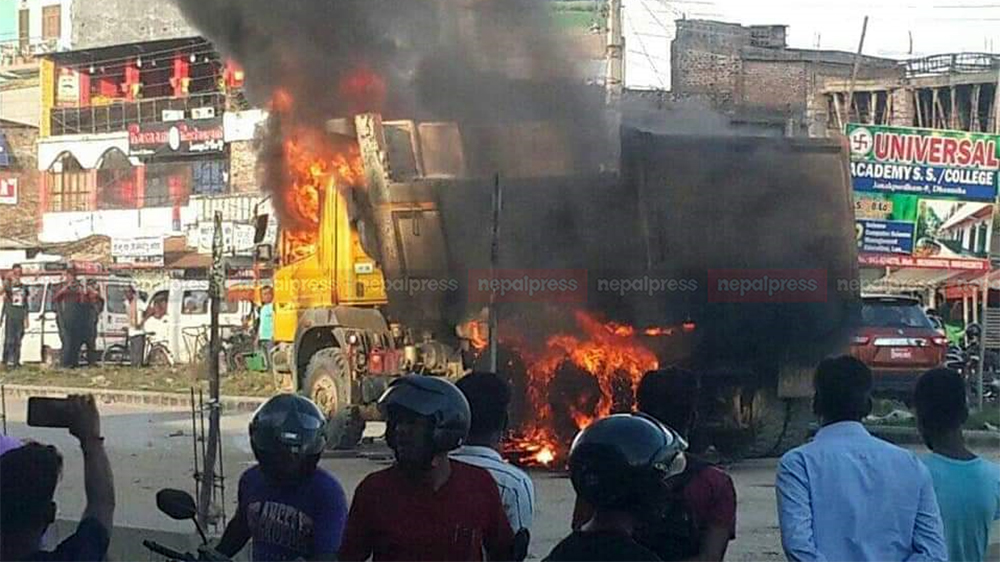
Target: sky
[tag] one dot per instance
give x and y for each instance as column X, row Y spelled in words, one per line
column 937, row 26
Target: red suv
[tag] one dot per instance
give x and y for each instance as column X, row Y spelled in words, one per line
column 897, row 341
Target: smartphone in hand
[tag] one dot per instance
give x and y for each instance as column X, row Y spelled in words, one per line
column 49, row 412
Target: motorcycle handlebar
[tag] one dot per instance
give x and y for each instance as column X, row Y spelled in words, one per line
column 169, row 553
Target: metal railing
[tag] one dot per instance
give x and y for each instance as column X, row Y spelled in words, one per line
column 955, row 63
column 117, row 116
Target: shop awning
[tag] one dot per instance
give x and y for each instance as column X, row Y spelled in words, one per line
column 910, row 280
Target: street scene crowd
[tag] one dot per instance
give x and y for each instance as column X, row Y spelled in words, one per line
column 845, row 495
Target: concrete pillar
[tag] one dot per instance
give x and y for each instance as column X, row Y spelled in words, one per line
column 903, row 110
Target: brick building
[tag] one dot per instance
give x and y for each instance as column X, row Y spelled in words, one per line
column 19, row 194
column 750, row 74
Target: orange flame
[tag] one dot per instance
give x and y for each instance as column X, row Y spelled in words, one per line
column 477, row 332
column 658, row 331
column 312, row 160
column 608, row 352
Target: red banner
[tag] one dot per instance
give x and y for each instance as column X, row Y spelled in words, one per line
column 889, row 260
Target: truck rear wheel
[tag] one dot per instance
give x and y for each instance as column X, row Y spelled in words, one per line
column 328, row 384
column 777, row 425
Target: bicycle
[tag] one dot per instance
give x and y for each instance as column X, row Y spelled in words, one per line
column 155, row 354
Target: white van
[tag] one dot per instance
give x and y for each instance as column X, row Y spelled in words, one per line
column 185, row 324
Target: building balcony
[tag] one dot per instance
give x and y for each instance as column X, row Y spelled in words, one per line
column 118, row 115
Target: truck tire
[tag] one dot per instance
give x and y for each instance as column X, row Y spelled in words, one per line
column 777, row 425
column 328, row 384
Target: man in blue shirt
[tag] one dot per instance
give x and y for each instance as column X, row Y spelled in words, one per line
column 850, row 496
column 265, row 330
column 967, row 486
column 288, row 507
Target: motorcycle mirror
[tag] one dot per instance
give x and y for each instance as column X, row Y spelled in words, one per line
column 177, row 504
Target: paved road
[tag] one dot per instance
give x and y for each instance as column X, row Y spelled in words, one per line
column 152, row 449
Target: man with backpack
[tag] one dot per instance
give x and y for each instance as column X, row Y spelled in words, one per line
column 697, row 517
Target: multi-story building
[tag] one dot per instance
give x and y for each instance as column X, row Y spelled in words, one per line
column 143, row 140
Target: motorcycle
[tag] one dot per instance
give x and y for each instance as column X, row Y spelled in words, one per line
column 179, row 505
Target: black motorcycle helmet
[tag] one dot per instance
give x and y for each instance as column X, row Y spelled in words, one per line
column 623, row 461
column 288, row 429
column 973, row 331
column 434, row 398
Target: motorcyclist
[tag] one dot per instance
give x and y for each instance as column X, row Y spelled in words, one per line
column 427, row 506
column 621, row 466
column 288, row 506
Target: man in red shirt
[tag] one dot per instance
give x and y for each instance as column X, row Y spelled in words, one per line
column 698, row 519
column 426, row 506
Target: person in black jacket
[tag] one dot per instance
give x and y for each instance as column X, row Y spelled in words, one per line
column 620, row 466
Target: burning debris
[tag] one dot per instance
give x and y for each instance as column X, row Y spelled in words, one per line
column 573, row 380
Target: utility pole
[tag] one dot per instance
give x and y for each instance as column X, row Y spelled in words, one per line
column 215, row 294
column 614, row 78
column 494, row 320
column 854, row 71
column 996, row 101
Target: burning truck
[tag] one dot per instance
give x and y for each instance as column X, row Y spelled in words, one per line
column 387, row 230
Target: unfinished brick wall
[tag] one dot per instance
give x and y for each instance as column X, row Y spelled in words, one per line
column 243, row 167
column 705, row 61
column 21, row 220
column 774, row 85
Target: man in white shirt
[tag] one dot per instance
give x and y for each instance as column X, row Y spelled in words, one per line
column 136, row 328
column 489, row 398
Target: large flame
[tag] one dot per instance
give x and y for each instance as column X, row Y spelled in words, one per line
column 610, row 353
column 313, row 160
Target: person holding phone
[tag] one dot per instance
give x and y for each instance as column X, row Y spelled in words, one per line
column 14, row 317
column 30, row 473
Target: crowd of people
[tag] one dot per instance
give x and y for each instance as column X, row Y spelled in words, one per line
column 640, row 494
column 77, row 307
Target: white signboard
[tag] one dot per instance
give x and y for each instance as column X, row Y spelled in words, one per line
column 237, row 239
column 242, row 125
column 138, row 251
column 8, row 191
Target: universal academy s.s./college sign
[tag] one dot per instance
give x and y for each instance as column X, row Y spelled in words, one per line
column 922, row 197
column 192, row 136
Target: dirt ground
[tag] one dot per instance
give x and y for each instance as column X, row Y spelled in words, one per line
column 152, row 449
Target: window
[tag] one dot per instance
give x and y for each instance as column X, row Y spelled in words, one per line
column 115, row 182
column 167, row 184
column 69, row 185
column 195, row 302
column 116, row 299
column 208, row 177
column 51, row 22
column 35, row 293
column 23, row 28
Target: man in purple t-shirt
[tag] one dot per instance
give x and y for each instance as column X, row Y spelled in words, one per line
column 287, row 506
